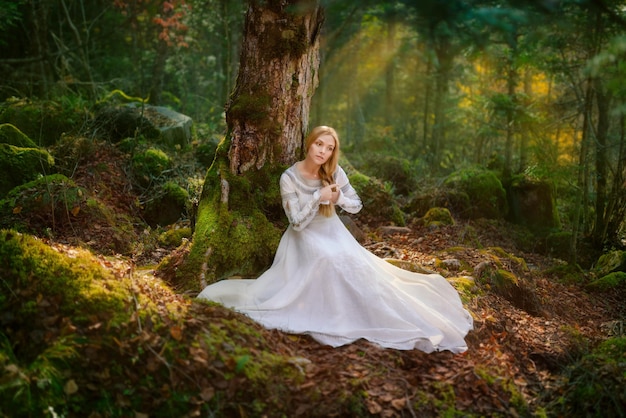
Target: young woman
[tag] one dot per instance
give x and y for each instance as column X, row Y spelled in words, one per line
column 325, row 284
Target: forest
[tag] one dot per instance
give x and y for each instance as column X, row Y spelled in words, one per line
column 140, row 147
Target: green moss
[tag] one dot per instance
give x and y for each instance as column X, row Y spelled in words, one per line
column 378, row 201
column 21, row 165
column 566, row 273
column 438, row 217
column 610, row 262
column 9, row 134
column 174, row 237
column 149, row 165
column 609, row 282
column 79, row 285
column 44, row 121
column 233, row 236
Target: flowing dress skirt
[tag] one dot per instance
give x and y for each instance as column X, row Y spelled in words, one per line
column 325, row 284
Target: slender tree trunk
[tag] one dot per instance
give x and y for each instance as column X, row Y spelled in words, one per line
column 616, row 206
column 511, row 83
column 603, row 100
column 390, row 71
column 443, row 69
column 524, row 133
column 426, row 116
column 581, row 196
column 40, row 38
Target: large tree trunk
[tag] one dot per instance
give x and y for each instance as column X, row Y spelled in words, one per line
column 267, row 118
column 268, row 113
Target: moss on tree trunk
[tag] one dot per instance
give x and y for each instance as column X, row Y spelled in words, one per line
column 240, row 217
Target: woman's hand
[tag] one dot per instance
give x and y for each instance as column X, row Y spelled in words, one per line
column 329, row 193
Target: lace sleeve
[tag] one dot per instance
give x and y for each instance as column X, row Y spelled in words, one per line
column 299, row 215
column 348, row 200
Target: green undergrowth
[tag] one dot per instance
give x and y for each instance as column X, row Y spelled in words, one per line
column 594, row 384
column 82, row 337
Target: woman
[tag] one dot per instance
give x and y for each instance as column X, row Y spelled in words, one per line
column 325, row 284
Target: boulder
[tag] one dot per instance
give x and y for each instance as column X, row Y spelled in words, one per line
column 476, row 193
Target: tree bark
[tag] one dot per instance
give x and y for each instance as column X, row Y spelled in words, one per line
column 268, row 113
column 603, row 100
column 267, row 119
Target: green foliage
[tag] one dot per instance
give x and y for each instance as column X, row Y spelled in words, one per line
column 396, row 170
column 9, row 134
column 378, row 200
column 43, row 121
column 21, row 165
column 594, row 385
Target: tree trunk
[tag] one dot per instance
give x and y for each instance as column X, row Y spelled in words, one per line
column 267, row 119
column 442, row 78
column 603, row 100
column 268, row 114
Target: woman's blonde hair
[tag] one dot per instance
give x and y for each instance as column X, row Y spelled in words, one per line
column 327, row 170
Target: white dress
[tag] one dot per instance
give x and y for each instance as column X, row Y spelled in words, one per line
column 325, row 284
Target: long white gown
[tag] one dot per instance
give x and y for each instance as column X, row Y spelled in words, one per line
column 325, row 284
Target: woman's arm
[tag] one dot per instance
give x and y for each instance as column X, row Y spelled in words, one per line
column 348, row 199
column 299, row 217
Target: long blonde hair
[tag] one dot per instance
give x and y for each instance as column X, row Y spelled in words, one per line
column 327, row 170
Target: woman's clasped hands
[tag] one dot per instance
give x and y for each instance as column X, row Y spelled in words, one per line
column 329, row 194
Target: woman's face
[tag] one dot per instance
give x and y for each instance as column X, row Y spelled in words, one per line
column 321, row 149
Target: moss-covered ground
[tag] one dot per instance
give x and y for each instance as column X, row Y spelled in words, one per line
column 89, row 330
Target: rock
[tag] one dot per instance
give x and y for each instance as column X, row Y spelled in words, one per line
column 175, row 127
column 390, row 230
column 356, row 232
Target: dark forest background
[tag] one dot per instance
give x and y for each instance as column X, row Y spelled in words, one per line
column 526, row 87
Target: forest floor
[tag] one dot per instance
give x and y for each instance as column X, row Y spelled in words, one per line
column 513, row 361
column 514, row 356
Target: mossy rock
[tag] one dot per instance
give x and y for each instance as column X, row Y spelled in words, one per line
column 436, row 217
column 503, row 274
column 610, row 262
column 611, row 281
column 485, row 195
column 378, row 201
column 21, row 165
column 167, row 205
column 174, row 237
column 42, row 121
column 149, row 165
column 395, row 170
column 11, row 135
column 115, row 123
